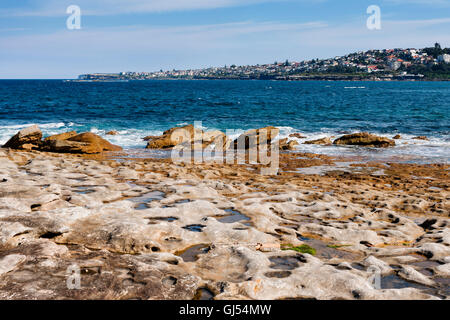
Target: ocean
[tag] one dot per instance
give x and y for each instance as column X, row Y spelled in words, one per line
column 314, row 108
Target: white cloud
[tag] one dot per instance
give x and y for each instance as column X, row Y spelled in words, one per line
column 420, row 2
column 116, row 7
column 144, row 48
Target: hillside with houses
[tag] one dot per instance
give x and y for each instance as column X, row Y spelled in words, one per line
column 431, row 63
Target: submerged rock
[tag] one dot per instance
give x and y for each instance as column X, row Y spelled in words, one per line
column 421, row 138
column 26, row 139
column 365, row 139
column 112, row 133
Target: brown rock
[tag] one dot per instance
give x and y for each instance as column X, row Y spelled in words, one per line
column 91, row 138
column 421, row 138
column 29, row 147
column 29, row 137
column 62, row 136
column 174, row 136
column 253, row 138
column 216, row 137
column 297, row 135
column 365, row 139
column 84, row 143
column 397, row 137
column 326, row 141
column 288, row 145
column 65, row 146
column 148, row 138
column 112, row 133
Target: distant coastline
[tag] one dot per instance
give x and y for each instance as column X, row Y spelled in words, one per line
column 427, row 64
column 350, row 79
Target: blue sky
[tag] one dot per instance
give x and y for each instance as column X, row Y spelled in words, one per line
column 148, row 35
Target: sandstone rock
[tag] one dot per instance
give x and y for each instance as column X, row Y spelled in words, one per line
column 29, row 147
column 397, row 137
column 9, row 262
column 62, row 136
column 288, row 145
column 112, row 133
column 94, row 139
column 364, row 139
column 325, row 141
column 216, row 139
column 297, row 135
column 434, row 251
column 421, row 138
column 84, row 143
column 411, row 274
column 214, row 227
column 29, row 137
column 188, row 137
column 371, row 261
column 174, row 136
column 443, row 270
column 9, row 230
column 147, row 138
column 254, row 138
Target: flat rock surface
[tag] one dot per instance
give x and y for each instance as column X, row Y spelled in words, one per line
column 151, row 229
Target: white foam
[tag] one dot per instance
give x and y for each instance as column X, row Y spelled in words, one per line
column 406, row 149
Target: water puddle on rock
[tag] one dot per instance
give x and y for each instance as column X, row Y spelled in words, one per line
column 143, row 200
column 155, row 220
column 183, row 201
column 285, row 262
column 203, row 294
column 173, row 204
column 425, row 267
column 194, row 227
column 277, row 274
column 234, row 216
column 84, row 190
column 326, row 251
column 191, row 254
column 394, row 281
column 443, row 286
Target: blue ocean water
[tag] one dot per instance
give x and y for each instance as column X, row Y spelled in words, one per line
column 314, row 108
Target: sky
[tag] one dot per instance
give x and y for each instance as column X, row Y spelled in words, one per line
column 149, row 35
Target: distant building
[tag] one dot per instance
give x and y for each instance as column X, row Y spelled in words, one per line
column 394, row 65
column 444, row 58
column 372, row 68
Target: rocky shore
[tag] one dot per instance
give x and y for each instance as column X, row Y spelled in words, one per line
column 153, row 229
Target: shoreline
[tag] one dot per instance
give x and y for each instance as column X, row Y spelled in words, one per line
column 224, row 79
column 179, row 229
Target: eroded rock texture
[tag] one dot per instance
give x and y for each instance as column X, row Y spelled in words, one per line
column 151, row 229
